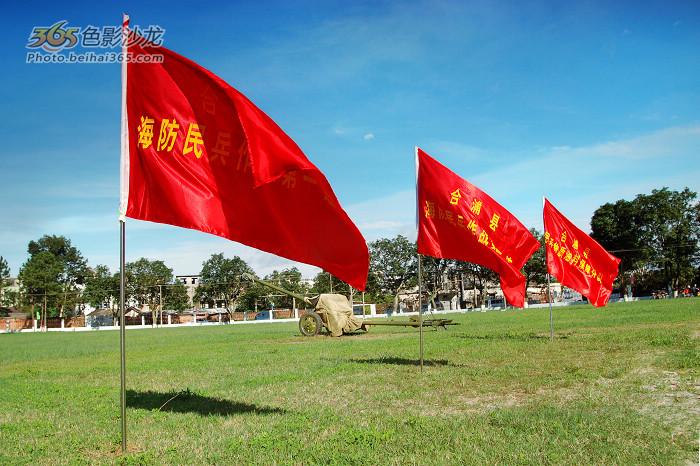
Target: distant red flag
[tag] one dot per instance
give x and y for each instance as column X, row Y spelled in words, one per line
column 576, row 259
column 456, row 220
column 200, row 155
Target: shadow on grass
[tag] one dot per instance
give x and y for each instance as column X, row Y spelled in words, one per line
column 189, row 402
column 513, row 336
column 402, row 361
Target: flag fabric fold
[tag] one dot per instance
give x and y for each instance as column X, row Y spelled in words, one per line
column 200, row 155
column 456, row 220
column 576, row 260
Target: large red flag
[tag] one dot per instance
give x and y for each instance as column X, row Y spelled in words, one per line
column 457, row 220
column 200, row 155
column 576, row 259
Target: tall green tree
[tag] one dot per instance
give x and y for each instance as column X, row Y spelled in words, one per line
column 221, row 280
column 288, row 279
column 658, row 233
column 175, row 297
column 325, row 282
column 40, row 279
column 478, row 278
column 144, row 282
column 72, row 269
column 4, row 275
column 439, row 275
column 102, row 288
column 619, row 228
column 395, row 263
column 4, row 272
column 671, row 226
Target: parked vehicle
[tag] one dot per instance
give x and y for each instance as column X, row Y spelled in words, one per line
column 263, row 315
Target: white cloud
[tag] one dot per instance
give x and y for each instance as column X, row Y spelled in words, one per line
column 186, row 251
column 380, row 225
column 369, row 136
column 577, row 180
column 386, row 216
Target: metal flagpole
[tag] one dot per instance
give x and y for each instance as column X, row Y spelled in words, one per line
column 122, row 331
column 420, row 314
column 123, row 197
column 549, row 283
column 420, row 278
column 549, row 298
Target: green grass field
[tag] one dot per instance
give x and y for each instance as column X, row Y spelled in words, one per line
column 619, row 385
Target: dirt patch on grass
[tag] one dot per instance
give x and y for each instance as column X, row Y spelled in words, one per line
column 480, row 404
column 675, row 399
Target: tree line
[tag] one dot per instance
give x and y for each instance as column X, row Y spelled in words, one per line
column 657, row 236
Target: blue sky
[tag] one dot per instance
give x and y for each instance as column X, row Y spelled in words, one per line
column 582, row 102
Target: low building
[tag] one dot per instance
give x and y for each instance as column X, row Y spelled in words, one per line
column 191, row 283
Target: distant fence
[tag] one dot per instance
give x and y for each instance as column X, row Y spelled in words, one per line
column 14, row 325
column 95, row 322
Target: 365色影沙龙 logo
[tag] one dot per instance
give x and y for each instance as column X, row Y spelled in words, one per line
column 60, row 36
column 47, row 42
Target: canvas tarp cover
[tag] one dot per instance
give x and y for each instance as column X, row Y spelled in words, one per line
column 336, row 314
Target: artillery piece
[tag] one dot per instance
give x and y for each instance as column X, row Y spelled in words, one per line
column 334, row 312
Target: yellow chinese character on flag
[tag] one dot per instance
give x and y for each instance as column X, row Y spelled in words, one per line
column 575, row 245
column 471, row 226
column 455, row 197
column 494, row 221
column 585, row 253
column 145, row 132
column 194, row 140
column 563, row 236
column 484, row 238
column 429, row 209
column 476, row 206
column 168, row 133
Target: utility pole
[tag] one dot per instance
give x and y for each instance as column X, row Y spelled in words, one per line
column 160, row 302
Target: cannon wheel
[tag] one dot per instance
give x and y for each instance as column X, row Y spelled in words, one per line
column 310, row 324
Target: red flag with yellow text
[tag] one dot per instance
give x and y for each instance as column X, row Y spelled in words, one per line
column 456, row 220
column 576, row 260
column 200, row 155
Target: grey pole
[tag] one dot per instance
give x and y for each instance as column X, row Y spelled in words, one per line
column 549, row 298
column 122, row 331
column 420, row 314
